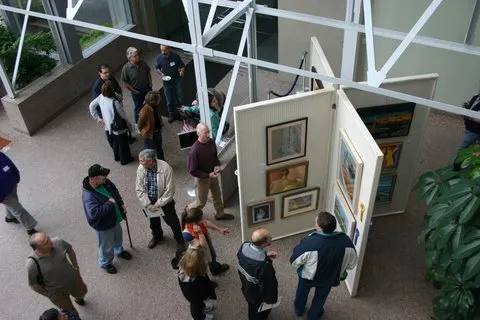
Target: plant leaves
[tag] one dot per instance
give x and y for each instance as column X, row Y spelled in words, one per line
column 433, row 194
column 445, row 234
column 472, row 267
column 455, row 192
column 469, row 210
column 458, row 237
column 472, row 235
column 466, row 250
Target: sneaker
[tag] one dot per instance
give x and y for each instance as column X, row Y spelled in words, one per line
column 110, row 269
column 224, row 216
column 155, row 240
column 79, row 301
column 223, row 268
column 31, row 231
column 11, row 220
column 125, row 255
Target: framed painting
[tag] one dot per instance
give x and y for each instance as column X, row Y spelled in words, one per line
column 315, row 84
column 345, row 219
column 287, row 178
column 388, row 121
column 391, row 154
column 386, row 186
column 350, row 167
column 286, row 141
column 300, row 202
column 261, row 212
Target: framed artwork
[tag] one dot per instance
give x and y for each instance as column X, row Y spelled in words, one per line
column 315, row 84
column 287, row 178
column 345, row 219
column 286, row 141
column 261, row 212
column 300, row 202
column 391, row 154
column 350, row 167
column 386, row 186
column 388, row 121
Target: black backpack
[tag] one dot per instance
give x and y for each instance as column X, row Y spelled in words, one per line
column 118, row 122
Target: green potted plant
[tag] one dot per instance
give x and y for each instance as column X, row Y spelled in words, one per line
column 35, row 60
column 451, row 235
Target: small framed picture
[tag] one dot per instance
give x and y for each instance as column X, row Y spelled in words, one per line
column 286, row 141
column 287, row 178
column 301, row 202
column 345, row 219
column 386, row 186
column 391, row 154
column 261, row 212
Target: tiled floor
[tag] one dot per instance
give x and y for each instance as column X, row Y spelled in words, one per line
column 55, row 160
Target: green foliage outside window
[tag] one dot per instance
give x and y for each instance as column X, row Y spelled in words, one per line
column 34, row 61
column 452, row 235
column 92, row 36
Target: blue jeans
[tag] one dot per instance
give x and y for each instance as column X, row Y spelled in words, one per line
column 321, row 294
column 469, row 138
column 138, row 99
column 156, row 144
column 173, row 96
column 109, row 244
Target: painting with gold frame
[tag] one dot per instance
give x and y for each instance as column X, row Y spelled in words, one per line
column 300, row 202
column 287, row 178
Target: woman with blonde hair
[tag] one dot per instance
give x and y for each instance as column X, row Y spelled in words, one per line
column 150, row 124
column 195, row 283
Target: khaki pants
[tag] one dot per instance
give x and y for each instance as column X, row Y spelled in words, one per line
column 62, row 299
column 203, row 186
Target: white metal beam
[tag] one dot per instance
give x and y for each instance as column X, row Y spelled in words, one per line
column 6, row 82
column 20, row 45
column 72, row 10
column 376, row 78
column 472, row 27
column 367, row 13
column 350, row 40
column 228, row 100
column 211, row 14
column 228, row 20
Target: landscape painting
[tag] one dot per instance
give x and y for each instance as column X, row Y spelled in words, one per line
column 345, row 220
column 386, row 185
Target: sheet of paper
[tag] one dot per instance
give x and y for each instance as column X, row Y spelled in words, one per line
column 154, row 214
column 265, row 306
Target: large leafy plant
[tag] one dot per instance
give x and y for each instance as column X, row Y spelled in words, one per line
column 35, row 60
column 452, row 234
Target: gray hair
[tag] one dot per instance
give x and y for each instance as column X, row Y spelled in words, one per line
column 130, row 51
column 147, row 154
column 201, row 126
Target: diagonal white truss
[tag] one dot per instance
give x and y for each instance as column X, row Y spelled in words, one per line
column 20, row 45
column 211, row 14
column 72, row 10
column 200, row 52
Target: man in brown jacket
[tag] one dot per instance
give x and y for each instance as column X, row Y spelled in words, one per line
column 150, row 124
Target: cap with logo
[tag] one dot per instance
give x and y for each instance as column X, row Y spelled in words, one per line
column 97, row 170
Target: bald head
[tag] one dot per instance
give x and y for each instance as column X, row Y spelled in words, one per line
column 165, row 50
column 41, row 242
column 261, row 238
column 203, row 132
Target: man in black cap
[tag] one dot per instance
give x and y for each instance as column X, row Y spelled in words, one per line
column 104, row 209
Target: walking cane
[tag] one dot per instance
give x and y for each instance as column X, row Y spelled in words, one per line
column 128, row 231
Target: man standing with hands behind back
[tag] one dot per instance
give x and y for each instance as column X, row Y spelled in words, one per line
column 172, row 69
column 255, row 268
column 204, row 165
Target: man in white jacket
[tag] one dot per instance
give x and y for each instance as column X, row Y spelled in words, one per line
column 155, row 189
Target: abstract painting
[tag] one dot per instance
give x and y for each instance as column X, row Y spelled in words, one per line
column 386, row 185
column 391, row 154
column 286, row 141
column 349, row 174
column 345, row 220
column 261, row 212
column 287, row 178
column 301, row 202
column 388, row 121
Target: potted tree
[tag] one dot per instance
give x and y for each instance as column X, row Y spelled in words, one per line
column 451, row 235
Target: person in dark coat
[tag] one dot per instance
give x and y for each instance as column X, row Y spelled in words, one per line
column 195, row 283
column 255, row 268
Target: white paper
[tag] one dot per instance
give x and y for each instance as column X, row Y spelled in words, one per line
column 154, row 214
column 266, row 306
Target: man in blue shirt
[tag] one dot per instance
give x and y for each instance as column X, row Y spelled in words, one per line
column 172, row 69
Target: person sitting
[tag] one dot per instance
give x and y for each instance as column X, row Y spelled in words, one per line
column 195, row 283
column 195, row 232
column 216, row 100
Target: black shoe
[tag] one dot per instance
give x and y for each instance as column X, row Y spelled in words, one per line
column 155, row 240
column 125, row 255
column 131, row 140
column 128, row 161
column 170, row 119
column 110, row 269
column 79, row 301
column 174, row 262
column 11, row 220
column 31, row 231
column 223, row 268
column 214, row 284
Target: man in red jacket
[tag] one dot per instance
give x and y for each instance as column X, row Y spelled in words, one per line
column 15, row 212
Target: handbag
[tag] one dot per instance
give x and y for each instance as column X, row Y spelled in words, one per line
column 118, row 122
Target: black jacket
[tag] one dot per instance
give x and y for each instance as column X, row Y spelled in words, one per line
column 470, row 124
column 255, row 268
column 99, row 211
column 196, row 290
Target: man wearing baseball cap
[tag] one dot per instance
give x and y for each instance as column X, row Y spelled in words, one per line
column 104, row 209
